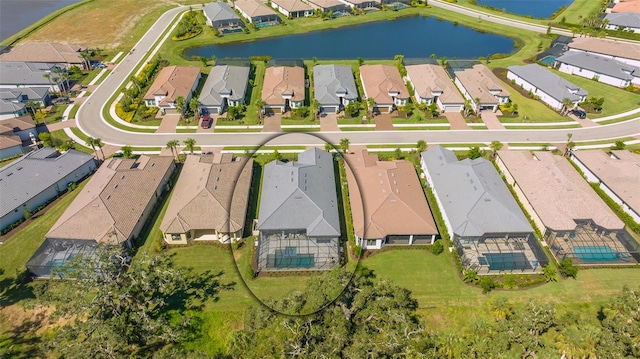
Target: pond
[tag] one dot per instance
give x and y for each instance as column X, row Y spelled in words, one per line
column 16, row 15
column 413, row 37
column 537, row 8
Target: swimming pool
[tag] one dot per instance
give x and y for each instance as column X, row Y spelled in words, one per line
column 548, row 60
column 596, row 253
column 505, row 261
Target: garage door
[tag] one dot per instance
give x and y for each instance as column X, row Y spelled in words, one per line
column 452, row 108
column 213, row 110
column 329, row 109
column 274, row 110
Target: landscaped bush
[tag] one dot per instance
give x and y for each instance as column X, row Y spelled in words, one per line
column 437, row 248
column 567, row 268
column 486, row 283
column 187, row 28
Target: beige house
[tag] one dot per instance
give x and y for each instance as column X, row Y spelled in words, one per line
column 47, row 52
column 385, row 86
column 172, row 82
column 431, row 84
column 482, row 88
column 210, row 200
column 283, row 88
column 292, row 8
column 625, row 52
column 575, row 221
column 388, row 205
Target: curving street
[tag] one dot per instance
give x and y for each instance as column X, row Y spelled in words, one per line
column 90, row 120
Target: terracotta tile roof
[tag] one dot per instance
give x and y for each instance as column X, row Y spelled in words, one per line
column 389, row 194
column 430, row 78
column 380, row 80
column 627, row 6
column 17, row 124
column 479, row 82
column 556, row 191
column 282, row 81
column 112, row 203
column 45, row 52
column 606, row 47
column 8, row 139
column 173, row 82
column 327, row 3
column 253, row 8
column 209, row 195
column 292, row 5
column 619, row 171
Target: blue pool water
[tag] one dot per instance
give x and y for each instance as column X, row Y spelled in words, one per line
column 596, row 253
column 505, row 261
column 548, row 60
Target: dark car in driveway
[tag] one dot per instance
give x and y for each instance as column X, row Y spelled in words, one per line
column 578, row 113
column 206, row 121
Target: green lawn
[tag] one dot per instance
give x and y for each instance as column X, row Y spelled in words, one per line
column 446, row 302
column 578, row 10
column 21, row 245
column 616, row 100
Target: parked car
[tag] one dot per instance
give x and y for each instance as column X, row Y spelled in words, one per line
column 60, row 101
column 206, row 121
column 99, row 65
column 578, row 113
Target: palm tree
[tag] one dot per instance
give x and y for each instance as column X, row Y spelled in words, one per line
column 127, row 151
column 260, row 104
column 422, row 145
column 477, row 102
column 98, row 143
column 47, row 75
column 86, row 56
column 173, row 145
column 31, row 105
column 467, row 108
column 371, row 103
column 344, row 144
column 90, row 141
column 315, row 107
column 566, row 105
column 570, row 144
column 194, row 106
column 180, row 105
column 496, row 146
column 189, row 144
column 61, row 76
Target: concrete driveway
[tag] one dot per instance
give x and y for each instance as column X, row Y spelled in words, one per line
column 456, row 121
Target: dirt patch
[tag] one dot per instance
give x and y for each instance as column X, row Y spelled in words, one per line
column 21, row 320
column 100, row 23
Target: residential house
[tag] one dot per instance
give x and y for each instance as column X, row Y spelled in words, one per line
column 37, row 177
column 225, row 86
column 388, row 205
column 221, row 17
column 32, row 75
column 362, row 4
column 334, row 87
column 209, row 201
column 624, row 6
column 490, row 232
column 328, row 5
column 283, row 88
column 38, row 95
column 385, row 86
column 256, row 12
column 298, row 223
column 111, row 209
column 16, row 135
column 625, row 52
column 172, row 82
column 292, row 8
column 605, row 70
column 66, row 55
column 10, row 109
column 574, row 220
column 616, row 174
column 431, row 84
column 627, row 21
column 549, row 87
column 482, row 88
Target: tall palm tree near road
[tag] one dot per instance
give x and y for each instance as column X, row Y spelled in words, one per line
column 344, row 144
column 194, row 106
column 189, row 144
column 180, row 105
column 90, row 141
column 98, row 143
column 422, row 145
column 173, row 145
column 260, row 104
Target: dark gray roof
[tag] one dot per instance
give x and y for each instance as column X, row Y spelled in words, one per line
column 624, row 19
column 31, row 93
column 26, row 73
column 7, row 107
column 31, row 174
column 217, row 11
column 332, row 79
column 555, row 51
column 473, row 195
column 224, row 80
column 300, row 195
column 601, row 65
column 548, row 82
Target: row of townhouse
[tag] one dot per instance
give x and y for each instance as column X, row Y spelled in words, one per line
column 299, row 226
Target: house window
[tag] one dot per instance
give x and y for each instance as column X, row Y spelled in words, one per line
column 371, row 242
column 176, row 237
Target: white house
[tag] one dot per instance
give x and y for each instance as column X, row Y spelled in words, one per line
column 172, row 82
column 549, row 87
column 384, row 85
column 625, row 52
column 599, row 68
column 626, row 21
column 292, row 8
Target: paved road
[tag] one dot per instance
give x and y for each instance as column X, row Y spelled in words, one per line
column 91, row 122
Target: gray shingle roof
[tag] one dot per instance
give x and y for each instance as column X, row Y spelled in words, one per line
column 332, row 79
column 224, row 80
column 624, row 19
column 31, row 93
column 7, row 107
column 217, row 11
column 601, row 65
column 473, row 195
column 31, row 174
column 26, row 73
column 300, row 195
column 548, row 82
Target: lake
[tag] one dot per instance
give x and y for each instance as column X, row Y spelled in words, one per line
column 16, row 15
column 413, row 37
column 536, row 8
